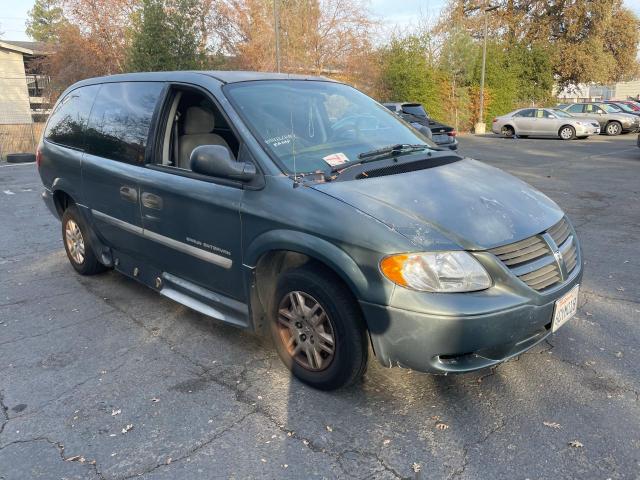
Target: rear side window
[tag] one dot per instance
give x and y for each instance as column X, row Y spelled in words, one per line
column 577, row 108
column 68, row 122
column 120, row 120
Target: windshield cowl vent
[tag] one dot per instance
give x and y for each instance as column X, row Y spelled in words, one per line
column 406, row 167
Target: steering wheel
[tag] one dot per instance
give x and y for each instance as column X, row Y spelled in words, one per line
column 349, row 127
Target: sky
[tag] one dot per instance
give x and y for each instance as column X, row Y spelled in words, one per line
column 13, row 13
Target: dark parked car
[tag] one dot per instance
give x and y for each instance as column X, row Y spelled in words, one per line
column 414, row 113
column 300, row 208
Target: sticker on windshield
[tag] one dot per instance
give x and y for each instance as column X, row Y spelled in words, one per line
column 336, row 159
column 281, row 140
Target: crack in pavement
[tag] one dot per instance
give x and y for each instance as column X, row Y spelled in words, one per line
column 73, row 324
column 60, row 447
column 194, row 449
column 5, row 412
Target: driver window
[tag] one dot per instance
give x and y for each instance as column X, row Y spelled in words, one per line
column 193, row 120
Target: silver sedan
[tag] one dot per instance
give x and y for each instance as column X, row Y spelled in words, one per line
column 544, row 122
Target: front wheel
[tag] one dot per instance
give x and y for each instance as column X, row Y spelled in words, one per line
column 317, row 328
column 77, row 244
column 613, row 129
column 567, row 133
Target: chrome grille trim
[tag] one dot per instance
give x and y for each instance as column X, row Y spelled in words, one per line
column 533, row 261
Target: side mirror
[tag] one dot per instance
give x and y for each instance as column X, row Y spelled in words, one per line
column 216, row 161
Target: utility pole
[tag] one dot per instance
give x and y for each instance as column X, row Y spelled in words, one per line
column 276, row 23
column 480, row 127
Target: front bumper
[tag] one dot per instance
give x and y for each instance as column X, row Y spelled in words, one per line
column 437, row 343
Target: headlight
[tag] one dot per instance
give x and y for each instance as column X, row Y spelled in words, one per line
column 455, row 271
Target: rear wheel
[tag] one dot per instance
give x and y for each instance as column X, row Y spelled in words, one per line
column 508, row 131
column 613, row 128
column 317, row 329
column 567, row 133
column 77, row 245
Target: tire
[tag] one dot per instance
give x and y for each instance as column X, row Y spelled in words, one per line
column 613, row 128
column 21, row 158
column 567, row 132
column 337, row 317
column 508, row 131
column 77, row 244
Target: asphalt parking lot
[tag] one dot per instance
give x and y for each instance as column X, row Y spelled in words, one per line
column 102, row 378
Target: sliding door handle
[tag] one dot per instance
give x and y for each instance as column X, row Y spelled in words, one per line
column 150, row 200
column 129, row 193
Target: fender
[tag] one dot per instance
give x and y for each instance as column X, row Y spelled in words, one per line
column 335, row 258
column 61, row 184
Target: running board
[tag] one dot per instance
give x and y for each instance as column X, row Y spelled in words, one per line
column 205, row 301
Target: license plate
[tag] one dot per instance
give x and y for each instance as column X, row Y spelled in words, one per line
column 565, row 308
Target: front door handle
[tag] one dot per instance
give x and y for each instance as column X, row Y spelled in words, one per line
column 150, row 200
column 129, row 193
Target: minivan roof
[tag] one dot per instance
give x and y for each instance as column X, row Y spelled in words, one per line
column 229, row 76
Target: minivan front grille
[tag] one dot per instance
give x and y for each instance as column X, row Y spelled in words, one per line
column 533, row 261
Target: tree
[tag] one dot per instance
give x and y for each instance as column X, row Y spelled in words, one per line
column 166, row 36
column 407, row 75
column 45, row 20
column 319, row 36
column 586, row 41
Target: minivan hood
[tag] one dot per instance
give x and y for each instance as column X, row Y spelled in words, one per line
column 466, row 203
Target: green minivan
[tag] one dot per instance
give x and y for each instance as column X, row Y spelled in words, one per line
column 300, row 208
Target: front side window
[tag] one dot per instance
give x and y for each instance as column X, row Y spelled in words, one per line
column 120, row 120
column 561, row 114
column 66, row 125
column 308, row 126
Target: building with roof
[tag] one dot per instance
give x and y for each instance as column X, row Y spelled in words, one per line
column 22, row 87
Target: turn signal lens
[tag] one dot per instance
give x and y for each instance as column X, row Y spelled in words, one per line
column 454, row 271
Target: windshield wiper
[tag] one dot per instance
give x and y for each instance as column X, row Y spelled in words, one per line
column 377, row 154
column 393, row 150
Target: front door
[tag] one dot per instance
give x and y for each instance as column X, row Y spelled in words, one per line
column 192, row 222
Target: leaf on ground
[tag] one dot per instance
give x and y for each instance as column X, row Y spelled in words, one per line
column 442, row 426
column 552, row 424
column 416, row 467
column 115, row 412
column 386, row 442
column 576, row 444
column 329, row 429
column 128, row 428
column 75, row 458
column 155, row 400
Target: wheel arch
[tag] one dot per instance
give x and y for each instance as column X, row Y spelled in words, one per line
column 566, row 125
column 277, row 251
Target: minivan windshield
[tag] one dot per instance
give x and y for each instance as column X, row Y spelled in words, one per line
column 309, row 126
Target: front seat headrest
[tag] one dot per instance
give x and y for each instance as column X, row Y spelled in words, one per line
column 198, row 120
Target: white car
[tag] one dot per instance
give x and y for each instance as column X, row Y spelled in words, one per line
column 544, row 122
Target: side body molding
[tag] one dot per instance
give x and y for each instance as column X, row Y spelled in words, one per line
column 314, row 247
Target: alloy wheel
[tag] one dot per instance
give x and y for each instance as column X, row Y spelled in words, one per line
column 613, row 129
column 306, row 331
column 566, row 133
column 507, row 131
column 75, row 241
